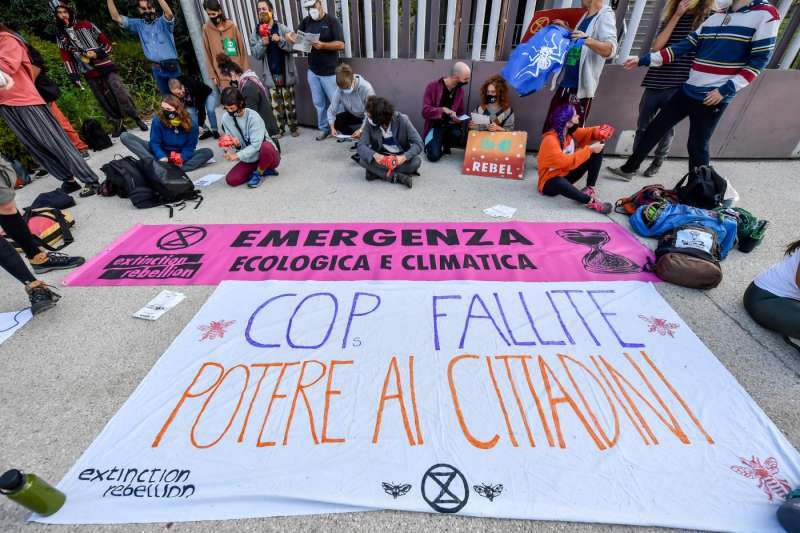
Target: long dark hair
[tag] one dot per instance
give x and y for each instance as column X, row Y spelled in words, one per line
column 501, row 87
column 793, row 247
column 700, row 10
column 180, row 110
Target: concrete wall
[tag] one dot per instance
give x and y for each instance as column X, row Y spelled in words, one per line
column 761, row 123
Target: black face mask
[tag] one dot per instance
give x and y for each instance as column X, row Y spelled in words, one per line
column 170, row 114
column 491, row 99
column 460, row 84
column 149, row 17
column 234, row 114
column 216, row 20
column 234, row 83
column 571, row 129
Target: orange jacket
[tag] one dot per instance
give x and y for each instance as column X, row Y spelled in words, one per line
column 556, row 161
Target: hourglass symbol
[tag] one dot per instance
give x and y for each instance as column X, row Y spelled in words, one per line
column 598, row 260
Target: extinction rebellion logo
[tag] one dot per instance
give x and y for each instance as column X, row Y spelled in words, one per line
column 161, row 266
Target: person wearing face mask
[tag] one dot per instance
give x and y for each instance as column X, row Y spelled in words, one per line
column 566, row 153
column 269, row 44
column 195, row 97
column 221, row 36
column 322, row 59
column 731, row 48
column 442, row 105
column 256, row 96
column 255, row 153
column 496, row 105
column 156, row 35
column 596, row 32
column 86, row 51
column 389, row 133
column 351, row 96
column 172, row 132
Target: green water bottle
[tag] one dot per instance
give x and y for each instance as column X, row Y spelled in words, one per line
column 32, row 492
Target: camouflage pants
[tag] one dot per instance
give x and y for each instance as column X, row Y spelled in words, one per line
column 283, row 108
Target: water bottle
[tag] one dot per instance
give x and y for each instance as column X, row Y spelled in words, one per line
column 789, row 512
column 31, row 492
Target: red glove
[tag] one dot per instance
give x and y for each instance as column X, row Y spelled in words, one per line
column 263, row 29
column 176, row 159
column 226, row 141
column 390, row 162
column 605, row 131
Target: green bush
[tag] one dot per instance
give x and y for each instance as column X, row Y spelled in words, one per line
column 79, row 105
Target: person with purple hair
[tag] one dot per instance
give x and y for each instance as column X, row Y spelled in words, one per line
column 567, row 153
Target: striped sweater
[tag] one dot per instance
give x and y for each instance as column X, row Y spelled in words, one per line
column 731, row 49
column 73, row 43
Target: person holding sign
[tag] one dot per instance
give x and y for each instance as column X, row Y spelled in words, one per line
column 443, row 110
column 390, row 146
column 566, row 153
column 352, row 94
column 221, row 37
column 248, row 142
column 322, row 59
column 494, row 112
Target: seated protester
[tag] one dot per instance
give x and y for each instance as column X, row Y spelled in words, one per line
column 442, row 104
column 256, row 154
column 173, row 132
column 389, row 133
column 255, row 95
column 194, row 95
column 351, row 94
column 773, row 298
column 496, row 105
column 566, row 154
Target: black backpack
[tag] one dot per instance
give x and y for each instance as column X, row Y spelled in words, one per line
column 702, row 187
column 172, row 185
column 126, row 178
column 689, row 256
column 94, row 135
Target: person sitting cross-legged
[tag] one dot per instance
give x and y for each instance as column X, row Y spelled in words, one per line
column 566, row 155
column 254, row 152
column 173, row 132
column 390, row 146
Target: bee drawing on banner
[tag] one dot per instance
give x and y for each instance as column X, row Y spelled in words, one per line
column 490, row 492
column 396, row 490
column 543, row 59
column 767, row 475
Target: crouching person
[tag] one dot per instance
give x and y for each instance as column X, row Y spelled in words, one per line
column 252, row 148
column 390, row 146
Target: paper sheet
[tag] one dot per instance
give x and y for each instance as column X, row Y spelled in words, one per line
column 208, row 179
column 481, row 120
column 11, row 321
column 462, row 118
column 304, row 41
column 159, row 305
column 500, row 211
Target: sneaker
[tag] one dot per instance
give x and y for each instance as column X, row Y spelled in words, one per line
column 141, row 124
column 58, row 261
column 41, row 297
column 356, row 158
column 371, row 176
column 323, row 135
column 255, row 180
column 89, row 190
column 119, row 129
column 403, row 179
column 277, row 136
column 40, row 173
column 70, row 186
column 295, row 133
column 205, row 135
column 601, row 207
column 85, row 154
column 215, row 134
column 794, row 343
column 653, row 169
column 589, row 191
column 620, row 174
column 270, row 172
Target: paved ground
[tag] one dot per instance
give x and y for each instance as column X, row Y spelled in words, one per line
column 66, row 373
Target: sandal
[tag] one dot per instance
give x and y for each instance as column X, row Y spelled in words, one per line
column 89, row 190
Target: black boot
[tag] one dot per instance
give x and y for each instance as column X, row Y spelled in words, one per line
column 141, row 124
column 653, row 169
column 41, row 297
column 119, row 129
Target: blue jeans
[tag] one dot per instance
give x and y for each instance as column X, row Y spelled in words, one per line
column 162, row 79
column 211, row 105
column 323, row 88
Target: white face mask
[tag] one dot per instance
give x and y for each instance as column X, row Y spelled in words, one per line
column 371, row 123
column 722, row 5
column 314, row 13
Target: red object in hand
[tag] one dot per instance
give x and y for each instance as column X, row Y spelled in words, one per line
column 605, row 131
column 176, row 159
column 263, row 29
column 227, row 141
column 390, row 162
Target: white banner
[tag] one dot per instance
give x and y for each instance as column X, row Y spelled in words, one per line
column 561, row 401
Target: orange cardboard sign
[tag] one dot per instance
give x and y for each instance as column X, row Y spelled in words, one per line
column 544, row 17
column 499, row 154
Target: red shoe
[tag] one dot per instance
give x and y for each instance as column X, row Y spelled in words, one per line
column 589, row 191
column 601, row 207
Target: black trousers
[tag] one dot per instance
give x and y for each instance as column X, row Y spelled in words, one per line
column 445, row 136
column 703, row 121
column 13, row 264
column 347, row 123
column 565, row 185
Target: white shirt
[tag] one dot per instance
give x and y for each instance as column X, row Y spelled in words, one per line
column 781, row 279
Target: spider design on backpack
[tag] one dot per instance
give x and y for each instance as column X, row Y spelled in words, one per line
column 543, row 59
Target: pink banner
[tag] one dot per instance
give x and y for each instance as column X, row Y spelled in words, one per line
column 430, row 251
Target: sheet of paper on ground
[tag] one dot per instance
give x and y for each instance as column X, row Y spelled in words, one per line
column 432, row 251
column 565, row 401
column 12, row 321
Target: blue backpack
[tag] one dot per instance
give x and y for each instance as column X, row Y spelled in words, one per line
column 533, row 62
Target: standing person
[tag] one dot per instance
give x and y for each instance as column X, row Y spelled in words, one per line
column 495, row 104
column 678, row 20
column 256, row 154
column 566, row 153
column 389, row 133
column 256, row 96
column 773, row 298
column 442, row 105
column 194, row 95
column 731, row 47
column 280, row 72
column 584, row 64
column 351, row 96
column 85, row 50
column 221, row 36
column 26, row 114
column 322, row 59
column 156, row 35
column 172, row 132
